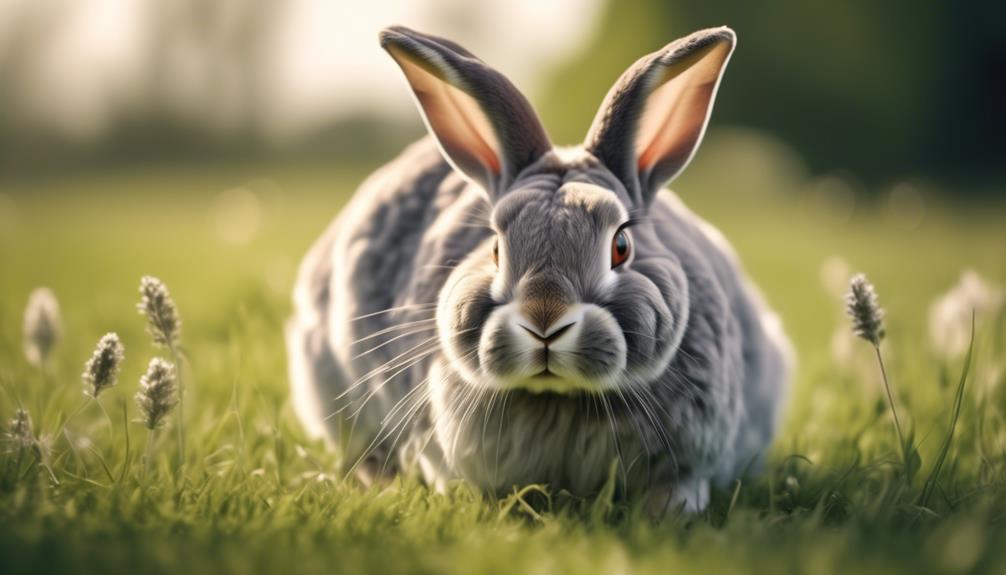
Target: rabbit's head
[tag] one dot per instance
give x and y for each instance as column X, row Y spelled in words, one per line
column 573, row 291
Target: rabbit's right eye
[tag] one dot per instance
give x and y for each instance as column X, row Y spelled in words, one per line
column 620, row 248
column 496, row 252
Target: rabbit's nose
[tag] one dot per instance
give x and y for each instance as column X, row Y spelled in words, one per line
column 544, row 299
column 542, row 314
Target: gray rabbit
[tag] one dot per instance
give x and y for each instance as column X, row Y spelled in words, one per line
column 492, row 308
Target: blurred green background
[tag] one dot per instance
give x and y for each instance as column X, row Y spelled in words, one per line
column 880, row 92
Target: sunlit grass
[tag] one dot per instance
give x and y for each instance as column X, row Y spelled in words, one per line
column 255, row 495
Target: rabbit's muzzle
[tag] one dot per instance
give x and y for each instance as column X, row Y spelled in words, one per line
column 580, row 348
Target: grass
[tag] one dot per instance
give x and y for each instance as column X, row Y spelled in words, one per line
column 255, row 496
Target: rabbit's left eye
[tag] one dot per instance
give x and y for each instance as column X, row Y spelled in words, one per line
column 621, row 247
column 496, row 252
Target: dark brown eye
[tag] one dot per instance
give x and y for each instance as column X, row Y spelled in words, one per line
column 620, row 248
column 496, row 252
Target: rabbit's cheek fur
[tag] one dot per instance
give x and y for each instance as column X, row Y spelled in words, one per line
column 594, row 352
column 463, row 308
column 650, row 302
column 504, row 356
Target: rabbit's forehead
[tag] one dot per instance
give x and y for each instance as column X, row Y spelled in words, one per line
column 600, row 203
column 574, row 206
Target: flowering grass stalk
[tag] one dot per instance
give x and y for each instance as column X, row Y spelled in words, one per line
column 23, row 440
column 163, row 322
column 165, row 327
column 20, row 436
column 867, row 317
column 42, row 327
column 101, row 371
column 155, row 399
column 951, row 314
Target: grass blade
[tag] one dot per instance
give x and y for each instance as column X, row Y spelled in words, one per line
column 930, row 485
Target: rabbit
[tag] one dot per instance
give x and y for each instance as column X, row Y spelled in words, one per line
column 494, row 309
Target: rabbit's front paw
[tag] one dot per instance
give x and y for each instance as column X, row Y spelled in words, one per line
column 689, row 495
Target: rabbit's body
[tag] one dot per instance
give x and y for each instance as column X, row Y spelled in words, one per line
column 403, row 347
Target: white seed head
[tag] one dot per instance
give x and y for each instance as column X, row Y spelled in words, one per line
column 19, row 431
column 102, row 370
column 950, row 314
column 862, row 307
column 42, row 326
column 157, row 395
column 834, row 275
column 163, row 322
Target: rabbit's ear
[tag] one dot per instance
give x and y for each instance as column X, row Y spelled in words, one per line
column 485, row 127
column 654, row 117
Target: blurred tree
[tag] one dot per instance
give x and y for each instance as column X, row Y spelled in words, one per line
column 883, row 89
column 201, row 90
column 20, row 48
column 205, row 75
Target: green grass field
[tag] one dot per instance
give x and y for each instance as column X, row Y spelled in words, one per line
column 254, row 495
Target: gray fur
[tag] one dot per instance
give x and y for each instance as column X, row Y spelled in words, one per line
column 670, row 364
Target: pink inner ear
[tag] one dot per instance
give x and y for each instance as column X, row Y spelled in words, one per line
column 457, row 121
column 675, row 113
column 679, row 128
column 473, row 124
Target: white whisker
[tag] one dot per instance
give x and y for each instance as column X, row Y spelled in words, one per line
column 394, row 309
column 394, row 339
column 386, row 366
column 408, row 324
